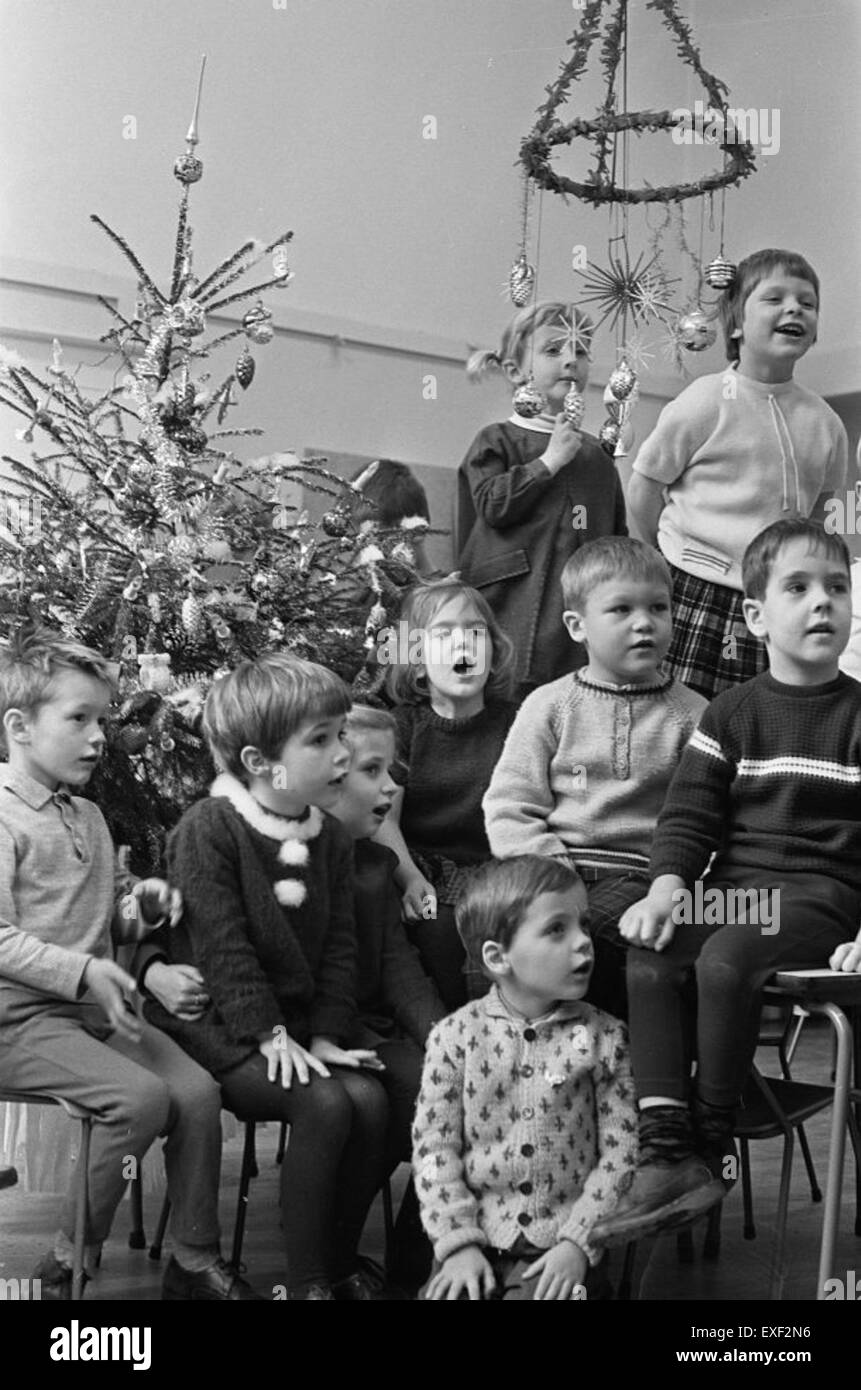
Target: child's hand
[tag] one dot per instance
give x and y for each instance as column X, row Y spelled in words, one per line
column 111, row 987
column 563, row 444
column 847, row 957
column 559, row 1270
column 157, row 899
column 179, row 988
column 284, row 1057
column 466, row 1271
column 647, row 924
column 327, row 1051
column 419, row 899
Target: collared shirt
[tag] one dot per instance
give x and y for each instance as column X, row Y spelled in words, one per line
column 523, row 1128
column 59, row 881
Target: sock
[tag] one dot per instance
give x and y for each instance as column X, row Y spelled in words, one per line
column 666, row 1134
column 713, row 1134
column 194, row 1259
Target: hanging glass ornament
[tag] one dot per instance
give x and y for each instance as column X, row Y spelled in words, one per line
column 188, row 168
column 528, row 400
column 609, row 435
column 521, row 281
column 257, row 324
column 695, row 332
column 280, row 266
column 187, row 317
column 720, row 273
column 622, row 381
column 245, row 369
column 573, row 406
column 336, row 523
column 155, row 673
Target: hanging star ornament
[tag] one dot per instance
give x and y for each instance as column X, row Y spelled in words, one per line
column 637, row 351
column 624, row 289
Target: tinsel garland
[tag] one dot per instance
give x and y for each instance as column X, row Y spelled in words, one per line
column 600, row 186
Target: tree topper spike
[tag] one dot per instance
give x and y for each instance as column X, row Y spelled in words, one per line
column 191, row 138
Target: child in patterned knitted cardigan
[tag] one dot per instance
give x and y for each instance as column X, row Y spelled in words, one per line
column 525, row 1129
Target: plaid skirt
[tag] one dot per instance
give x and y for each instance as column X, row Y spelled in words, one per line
column 712, row 648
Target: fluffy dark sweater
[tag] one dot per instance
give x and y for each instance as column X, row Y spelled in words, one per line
column 394, row 995
column 449, row 763
column 264, row 964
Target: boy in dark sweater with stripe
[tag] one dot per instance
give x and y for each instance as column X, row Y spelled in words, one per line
column 769, row 784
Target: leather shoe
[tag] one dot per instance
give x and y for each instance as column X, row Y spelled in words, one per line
column 55, row 1280
column 312, row 1293
column 218, row 1283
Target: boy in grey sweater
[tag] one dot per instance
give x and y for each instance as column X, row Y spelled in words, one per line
column 589, row 758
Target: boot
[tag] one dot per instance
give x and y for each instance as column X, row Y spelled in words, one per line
column 673, row 1183
column 714, row 1127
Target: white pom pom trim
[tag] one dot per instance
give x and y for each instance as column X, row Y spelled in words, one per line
column 293, row 852
column 290, row 892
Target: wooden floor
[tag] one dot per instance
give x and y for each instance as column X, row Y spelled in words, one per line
column 741, row 1273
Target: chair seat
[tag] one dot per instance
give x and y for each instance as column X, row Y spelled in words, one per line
column 39, row 1098
column 816, row 986
column 797, row 1099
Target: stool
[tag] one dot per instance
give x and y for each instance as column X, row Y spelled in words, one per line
column 85, row 1120
column 830, row 993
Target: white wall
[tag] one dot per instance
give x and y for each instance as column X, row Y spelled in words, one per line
column 312, row 119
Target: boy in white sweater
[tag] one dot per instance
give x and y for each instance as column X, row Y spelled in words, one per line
column 589, row 758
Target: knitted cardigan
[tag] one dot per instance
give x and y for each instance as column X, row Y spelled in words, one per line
column 267, row 919
column 586, row 767
column 523, row 1128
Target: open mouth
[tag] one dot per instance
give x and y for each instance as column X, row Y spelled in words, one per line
column 821, row 630
column 463, row 666
column 382, row 810
column 338, row 781
column 647, row 645
column 791, row 330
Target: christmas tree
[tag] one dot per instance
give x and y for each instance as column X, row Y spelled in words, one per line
column 148, row 539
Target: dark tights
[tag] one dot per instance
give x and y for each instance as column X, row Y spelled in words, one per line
column 700, row 997
column 334, row 1165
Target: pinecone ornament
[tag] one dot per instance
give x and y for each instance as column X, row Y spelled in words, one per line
column 245, row 369
column 521, row 281
column 573, row 406
column 622, row 381
column 191, row 614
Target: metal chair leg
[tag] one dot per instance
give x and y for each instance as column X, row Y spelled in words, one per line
column 778, row 1269
column 749, row 1230
column 137, row 1236
column 249, row 1169
column 158, row 1241
column 81, row 1210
